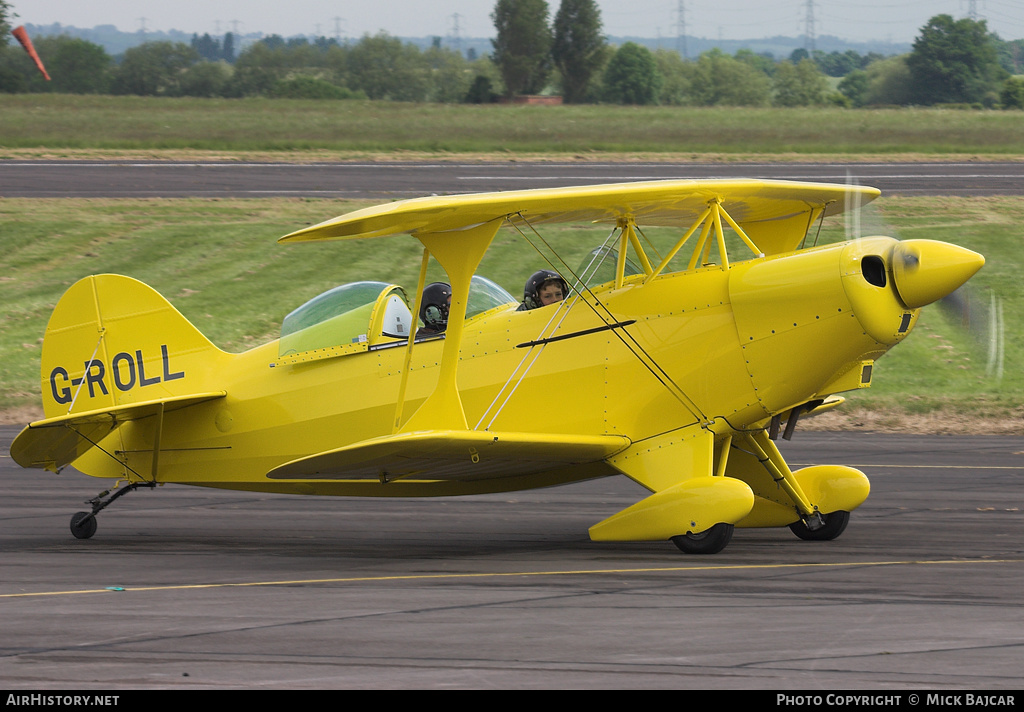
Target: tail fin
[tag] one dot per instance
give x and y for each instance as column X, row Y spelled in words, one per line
column 113, row 341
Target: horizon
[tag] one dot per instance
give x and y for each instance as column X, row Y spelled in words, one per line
column 257, row 35
column 893, row 22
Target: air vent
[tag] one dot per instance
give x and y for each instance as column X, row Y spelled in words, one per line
column 873, row 269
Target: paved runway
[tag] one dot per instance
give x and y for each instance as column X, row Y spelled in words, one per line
column 191, row 588
column 169, row 179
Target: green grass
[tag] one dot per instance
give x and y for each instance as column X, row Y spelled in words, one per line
column 218, row 262
column 55, row 122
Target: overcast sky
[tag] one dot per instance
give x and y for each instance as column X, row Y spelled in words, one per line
column 896, row 21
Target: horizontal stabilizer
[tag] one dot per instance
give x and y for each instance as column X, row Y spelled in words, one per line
column 451, row 455
column 56, row 442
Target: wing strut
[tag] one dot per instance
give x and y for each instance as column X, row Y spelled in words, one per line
column 712, row 220
column 679, row 245
column 420, row 284
column 459, row 252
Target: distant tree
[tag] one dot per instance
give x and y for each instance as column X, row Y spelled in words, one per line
column 578, row 48
column 676, row 75
column 7, row 14
column 484, row 67
column 76, row 66
column 522, row 47
column 448, row 75
column 386, row 68
column 632, row 76
column 14, row 76
column 954, row 61
column 256, row 70
column 1012, row 94
column 838, row 64
column 800, row 85
column 228, row 48
column 1011, row 56
column 335, row 61
column 889, row 82
column 273, row 41
column 763, row 62
column 11, row 80
column 153, row 69
column 854, row 86
column 207, row 47
column 481, row 91
column 721, row 80
column 325, row 43
column 206, row 79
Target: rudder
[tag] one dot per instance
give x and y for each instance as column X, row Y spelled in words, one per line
column 113, row 340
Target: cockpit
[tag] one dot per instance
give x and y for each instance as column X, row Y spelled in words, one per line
column 362, row 316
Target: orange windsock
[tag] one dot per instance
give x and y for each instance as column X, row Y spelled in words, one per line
column 22, row 36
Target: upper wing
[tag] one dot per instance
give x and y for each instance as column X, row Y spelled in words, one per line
column 771, row 212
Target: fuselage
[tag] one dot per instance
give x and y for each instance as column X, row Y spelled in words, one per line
column 727, row 349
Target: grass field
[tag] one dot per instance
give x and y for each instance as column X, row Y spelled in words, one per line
column 218, row 262
column 287, row 129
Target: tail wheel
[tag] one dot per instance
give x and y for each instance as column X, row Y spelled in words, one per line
column 83, row 525
column 835, row 524
column 710, row 541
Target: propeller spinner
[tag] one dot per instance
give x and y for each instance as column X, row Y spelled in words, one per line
column 925, row 271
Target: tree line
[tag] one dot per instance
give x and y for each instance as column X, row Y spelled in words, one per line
column 952, row 62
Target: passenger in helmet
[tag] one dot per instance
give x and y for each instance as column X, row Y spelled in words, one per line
column 434, row 305
column 542, row 288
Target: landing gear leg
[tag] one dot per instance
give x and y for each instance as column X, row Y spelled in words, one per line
column 83, row 524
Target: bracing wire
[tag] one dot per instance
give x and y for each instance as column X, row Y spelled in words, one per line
column 533, row 353
column 597, row 306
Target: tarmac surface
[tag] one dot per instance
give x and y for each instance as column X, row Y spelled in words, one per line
column 187, row 588
column 177, row 179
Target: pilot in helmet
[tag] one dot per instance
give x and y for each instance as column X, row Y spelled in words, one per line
column 437, row 298
column 542, row 288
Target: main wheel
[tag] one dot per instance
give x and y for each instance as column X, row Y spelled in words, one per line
column 835, row 524
column 710, row 541
column 83, row 525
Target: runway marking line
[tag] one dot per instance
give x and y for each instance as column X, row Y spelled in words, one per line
column 925, row 467
column 425, row 577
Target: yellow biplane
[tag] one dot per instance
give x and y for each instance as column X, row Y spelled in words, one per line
column 676, row 371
